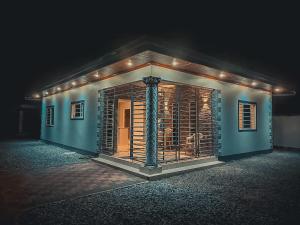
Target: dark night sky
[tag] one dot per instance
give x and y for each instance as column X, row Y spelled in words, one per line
column 39, row 40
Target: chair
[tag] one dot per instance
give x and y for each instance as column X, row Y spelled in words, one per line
column 191, row 141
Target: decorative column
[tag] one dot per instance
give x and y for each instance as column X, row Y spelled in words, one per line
column 216, row 118
column 151, row 120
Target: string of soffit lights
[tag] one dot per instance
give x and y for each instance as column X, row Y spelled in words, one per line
column 129, row 63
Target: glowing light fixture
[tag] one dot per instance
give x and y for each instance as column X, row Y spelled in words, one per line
column 96, row 75
column 37, row 96
column 254, row 83
column 58, row 88
column 46, row 93
column 73, row 83
column 174, row 63
column 222, row 75
column 129, row 63
column 277, row 89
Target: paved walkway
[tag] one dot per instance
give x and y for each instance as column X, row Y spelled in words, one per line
column 259, row 190
column 23, row 189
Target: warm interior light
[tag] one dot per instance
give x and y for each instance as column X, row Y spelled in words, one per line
column 129, row 63
column 222, row 75
column 37, row 96
column 73, row 83
column 46, row 93
column 253, row 83
column 174, row 63
column 96, row 75
column 58, row 88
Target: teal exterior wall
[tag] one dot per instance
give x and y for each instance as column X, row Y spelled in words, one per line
column 232, row 141
column 82, row 134
column 79, row 134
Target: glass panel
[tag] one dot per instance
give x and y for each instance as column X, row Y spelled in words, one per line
column 77, row 110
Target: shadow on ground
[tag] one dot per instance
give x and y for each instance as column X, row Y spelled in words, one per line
column 263, row 189
column 33, row 173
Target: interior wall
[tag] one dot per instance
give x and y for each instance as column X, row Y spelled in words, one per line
column 123, row 132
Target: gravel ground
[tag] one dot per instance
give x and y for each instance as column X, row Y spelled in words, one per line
column 263, row 189
column 32, row 154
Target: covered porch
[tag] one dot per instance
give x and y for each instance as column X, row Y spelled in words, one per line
column 151, row 125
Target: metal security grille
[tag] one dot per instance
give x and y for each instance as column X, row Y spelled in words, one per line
column 185, row 126
column 109, row 117
column 108, row 122
column 138, row 125
column 247, row 115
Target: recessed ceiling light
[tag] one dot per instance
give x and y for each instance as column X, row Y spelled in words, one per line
column 73, row 83
column 253, row 83
column 174, row 63
column 222, row 75
column 129, row 63
column 277, row 89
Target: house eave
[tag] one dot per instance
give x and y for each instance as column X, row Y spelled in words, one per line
column 159, row 49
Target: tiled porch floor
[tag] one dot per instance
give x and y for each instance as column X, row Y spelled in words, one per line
column 26, row 188
column 53, row 184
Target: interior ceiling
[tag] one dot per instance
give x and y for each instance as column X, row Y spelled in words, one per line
column 150, row 57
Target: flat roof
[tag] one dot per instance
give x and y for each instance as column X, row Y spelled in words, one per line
column 144, row 51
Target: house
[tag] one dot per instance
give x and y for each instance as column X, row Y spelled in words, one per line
column 151, row 104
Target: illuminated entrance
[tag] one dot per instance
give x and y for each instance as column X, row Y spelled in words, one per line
column 183, row 122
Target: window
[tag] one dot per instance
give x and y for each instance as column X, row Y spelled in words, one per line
column 50, row 116
column 247, row 116
column 77, row 110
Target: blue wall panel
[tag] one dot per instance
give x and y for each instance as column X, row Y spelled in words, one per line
column 232, row 141
column 81, row 134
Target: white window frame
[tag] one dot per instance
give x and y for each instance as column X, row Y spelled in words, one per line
column 245, row 120
column 77, row 110
column 50, row 116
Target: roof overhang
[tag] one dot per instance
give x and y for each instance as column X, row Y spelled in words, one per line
column 141, row 53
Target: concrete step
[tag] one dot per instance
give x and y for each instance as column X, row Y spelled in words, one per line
column 188, row 162
column 158, row 173
column 118, row 160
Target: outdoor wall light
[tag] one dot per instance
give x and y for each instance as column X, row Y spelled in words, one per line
column 205, row 107
column 166, row 105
